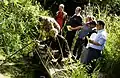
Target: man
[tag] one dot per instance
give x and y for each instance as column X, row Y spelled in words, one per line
column 54, row 46
column 49, row 23
column 75, row 23
column 57, row 43
column 54, row 40
column 96, row 45
column 85, row 30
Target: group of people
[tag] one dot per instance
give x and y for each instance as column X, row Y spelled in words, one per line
column 91, row 35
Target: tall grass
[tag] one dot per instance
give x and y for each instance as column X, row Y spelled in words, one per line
column 112, row 49
column 20, row 18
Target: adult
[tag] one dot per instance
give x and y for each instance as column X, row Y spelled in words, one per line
column 80, row 43
column 96, row 45
column 55, row 46
column 54, row 40
column 58, row 44
column 75, row 23
column 89, row 18
column 61, row 16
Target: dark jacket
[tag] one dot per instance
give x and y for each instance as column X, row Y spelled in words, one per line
column 75, row 21
column 59, row 44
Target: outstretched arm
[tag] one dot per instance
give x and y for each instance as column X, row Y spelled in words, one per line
column 76, row 28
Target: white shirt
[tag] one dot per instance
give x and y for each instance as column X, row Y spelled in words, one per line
column 100, row 38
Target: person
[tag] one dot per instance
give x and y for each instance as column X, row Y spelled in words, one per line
column 55, row 40
column 85, row 30
column 75, row 23
column 49, row 23
column 89, row 18
column 96, row 45
column 61, row 16
column 57, row 45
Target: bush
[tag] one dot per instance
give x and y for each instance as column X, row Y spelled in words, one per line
column 111, row 62
column 19, row 22
column 19, row 26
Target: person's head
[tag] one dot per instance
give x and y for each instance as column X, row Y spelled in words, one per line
column 49, row 27
column 100, row 25
column 61, row 7
column 49, row 23
column 53, row 33
column 89, row 18
column 77, row 10
column 92, row 24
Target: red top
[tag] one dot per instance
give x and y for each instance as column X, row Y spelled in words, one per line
column 59, row 19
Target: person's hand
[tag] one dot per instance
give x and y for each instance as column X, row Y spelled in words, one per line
column 69, row 28
column 89, row 40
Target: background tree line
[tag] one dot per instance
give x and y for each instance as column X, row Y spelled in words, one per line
column 70, row 5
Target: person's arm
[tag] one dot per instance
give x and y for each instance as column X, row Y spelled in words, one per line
column 64, row 20
column 100, row 42
column 93, row 42
column 76, row 28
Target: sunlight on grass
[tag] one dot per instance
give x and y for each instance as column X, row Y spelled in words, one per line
column 5, row 76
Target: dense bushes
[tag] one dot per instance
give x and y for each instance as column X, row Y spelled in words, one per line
column 19, row 23
column 70, row 5
column 19, row 26
column 112, row 49
column 19, row 20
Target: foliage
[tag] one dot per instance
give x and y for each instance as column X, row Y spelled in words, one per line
column 19, row 26
column 114, row 4
column 19, row 19
column 112, row 49
column 110, row 64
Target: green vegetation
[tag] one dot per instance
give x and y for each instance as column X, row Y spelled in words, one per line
column 112, row 49
column 19, row 22
column 20, row 25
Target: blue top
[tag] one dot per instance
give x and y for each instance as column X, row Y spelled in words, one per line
column 100, row 37
column 85, row 31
